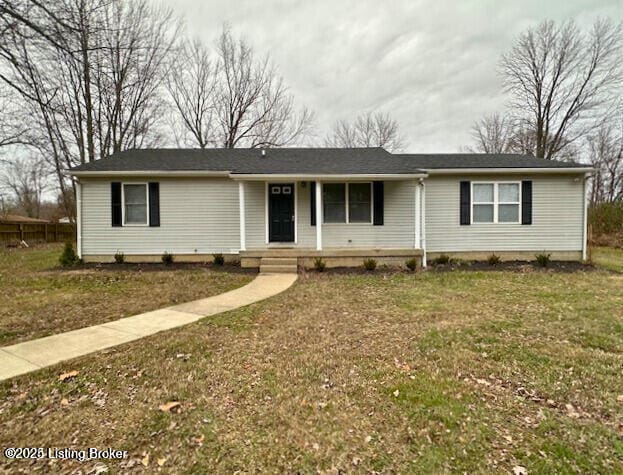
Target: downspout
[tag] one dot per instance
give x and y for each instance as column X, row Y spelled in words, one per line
column 585, row 220
column 241, row 213
column 79, row 218
column 423, row 225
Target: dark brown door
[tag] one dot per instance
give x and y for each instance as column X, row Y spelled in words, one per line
column 281, row 212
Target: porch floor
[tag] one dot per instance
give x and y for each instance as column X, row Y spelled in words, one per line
column 333, row 257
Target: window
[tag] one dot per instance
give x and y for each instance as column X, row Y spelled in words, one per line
column 495, row 202
column 135, row 203
column 359, row 202
column 342, row 203
column 334, row 202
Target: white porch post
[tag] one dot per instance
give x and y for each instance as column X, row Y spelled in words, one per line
column 79, row 218
column 585, row 221
column 243, row 245
column 318, row 216
column 417, row 244
column 423, row 225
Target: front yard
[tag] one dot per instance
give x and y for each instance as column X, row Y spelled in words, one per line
column 39, row 298
column 456, row 371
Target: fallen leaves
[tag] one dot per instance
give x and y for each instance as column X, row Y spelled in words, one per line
column 198, row 440
column 68, row 375
column 571, row 411
column 173, row 407
column 520, row 470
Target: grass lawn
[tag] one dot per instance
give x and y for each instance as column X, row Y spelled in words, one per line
column 456, row 371
column 39, row 298
column 609, row 258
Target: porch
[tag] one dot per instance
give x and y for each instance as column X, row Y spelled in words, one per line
column 336, row 257
column 342, row 219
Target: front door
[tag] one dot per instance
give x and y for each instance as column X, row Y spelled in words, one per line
column 281, row 212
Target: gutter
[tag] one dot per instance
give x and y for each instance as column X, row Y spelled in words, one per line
column 459, row 171
column 315, row 176
column 163, row 173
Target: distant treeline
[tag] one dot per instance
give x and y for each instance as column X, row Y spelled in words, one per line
column 606, row 223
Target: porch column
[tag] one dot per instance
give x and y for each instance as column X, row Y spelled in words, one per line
column 318, row 216
column 418, row 192
column 243, row 245
column 423, row 215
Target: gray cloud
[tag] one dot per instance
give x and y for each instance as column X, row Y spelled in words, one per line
column 430, row 63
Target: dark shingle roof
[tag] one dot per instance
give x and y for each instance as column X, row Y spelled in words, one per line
column 330, row 161
column 482, row 160
column 322, row 161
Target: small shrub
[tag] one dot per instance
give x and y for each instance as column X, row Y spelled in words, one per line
column 411, row 264
column 369, row 264
column 543, row 259
column 219, row 260
column 319, row 264
column 167, row 259
column 493, row 259
column 442, row 259
column 119, row 257
column 68, row 257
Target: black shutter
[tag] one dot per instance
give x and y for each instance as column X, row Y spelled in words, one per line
column 154, row 204
column 378, row 194
column 465, row 203
column 115, row 203
column 526, row 202
column 312, row 201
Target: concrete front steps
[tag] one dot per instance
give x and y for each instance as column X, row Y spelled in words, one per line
column 278, row 265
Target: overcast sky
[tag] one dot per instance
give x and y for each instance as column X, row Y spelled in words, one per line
column 430, row 63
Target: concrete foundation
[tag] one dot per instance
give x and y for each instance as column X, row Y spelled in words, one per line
column 508, row 255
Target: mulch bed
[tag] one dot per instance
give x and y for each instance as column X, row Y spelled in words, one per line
column 479, row 266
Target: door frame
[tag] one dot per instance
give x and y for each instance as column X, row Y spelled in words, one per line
column 267, row 217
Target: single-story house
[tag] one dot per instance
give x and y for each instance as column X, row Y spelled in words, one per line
column 343, row 205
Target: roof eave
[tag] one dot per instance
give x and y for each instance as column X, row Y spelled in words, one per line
column 161, row 173
column 325, row 177
column 531, row 170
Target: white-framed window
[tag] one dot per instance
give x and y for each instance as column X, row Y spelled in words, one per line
column 347, row 202
column 135, row 202
column 496, row 202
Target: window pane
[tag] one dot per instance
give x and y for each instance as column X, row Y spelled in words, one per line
column 508, row 213
column 483, row 193
column 136, row 214
column 508, row 192
column 359, row 202
column 135, row 197
column 334, row 202
column 483, row 213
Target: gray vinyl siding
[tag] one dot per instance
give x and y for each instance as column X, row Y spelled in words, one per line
column 198, row 215
column 398, row 231
column 557, row 217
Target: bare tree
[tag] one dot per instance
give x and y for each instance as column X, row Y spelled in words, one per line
column 253, row 106
column 130, row 67
column 492, row 134
column 561, row 80
column 26, row 181
column 606, row 156
column 89, row 73
column 192, row 86
column 497, row 133
column 371, row 129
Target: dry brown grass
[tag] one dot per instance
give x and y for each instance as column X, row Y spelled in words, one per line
column 434, row 372
column 40, row 298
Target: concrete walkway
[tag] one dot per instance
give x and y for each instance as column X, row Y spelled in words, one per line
column 35, row 354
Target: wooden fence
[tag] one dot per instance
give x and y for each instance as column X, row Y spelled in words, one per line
column 14, row 233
